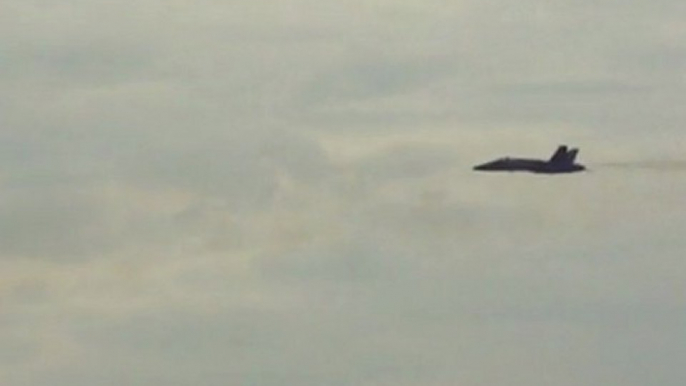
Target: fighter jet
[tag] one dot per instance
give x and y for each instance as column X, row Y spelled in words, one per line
column 562, row 161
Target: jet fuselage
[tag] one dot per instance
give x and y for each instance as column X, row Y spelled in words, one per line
column 561, row 162
column 527, row 165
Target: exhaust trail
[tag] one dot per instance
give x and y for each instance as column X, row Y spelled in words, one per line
column 661, row 165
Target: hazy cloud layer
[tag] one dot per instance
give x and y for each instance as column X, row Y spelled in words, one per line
column 280, row 194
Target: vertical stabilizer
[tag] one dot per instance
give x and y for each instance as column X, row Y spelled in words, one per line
column 560, row 156
column 571, row 155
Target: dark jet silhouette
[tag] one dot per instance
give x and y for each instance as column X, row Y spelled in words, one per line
column 561, row 162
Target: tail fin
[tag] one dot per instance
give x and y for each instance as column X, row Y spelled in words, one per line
column 571, row 155
column 561, row 155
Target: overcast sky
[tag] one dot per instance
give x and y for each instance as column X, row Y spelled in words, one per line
column 280, row 193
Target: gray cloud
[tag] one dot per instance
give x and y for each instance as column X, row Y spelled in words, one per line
column 280, row 194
